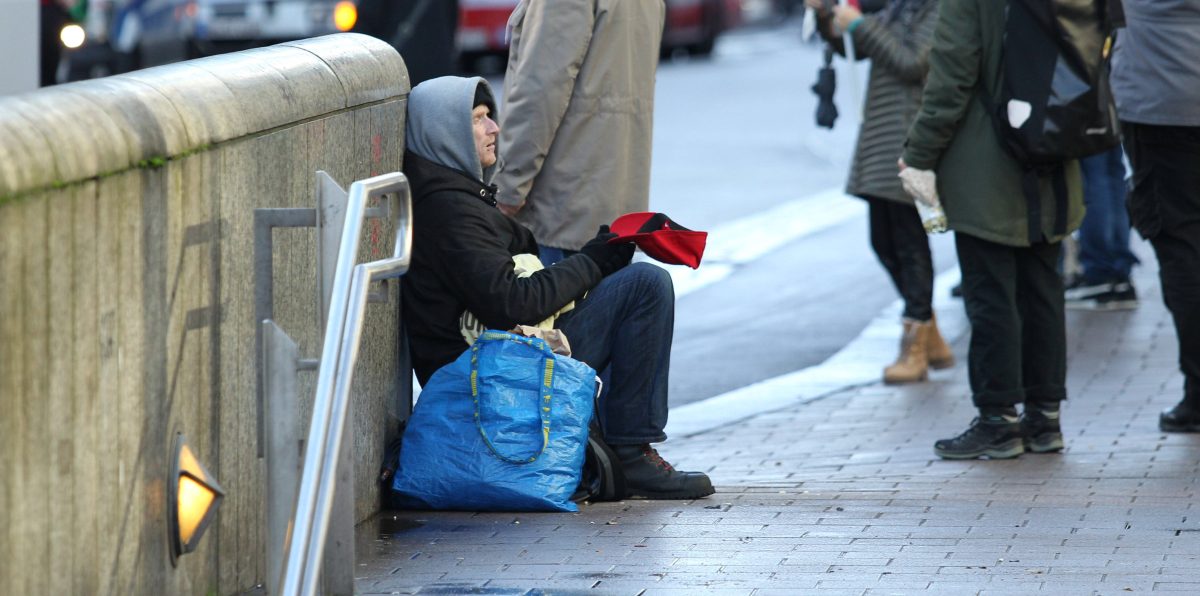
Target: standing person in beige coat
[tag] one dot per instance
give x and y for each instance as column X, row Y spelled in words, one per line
column 578, row 116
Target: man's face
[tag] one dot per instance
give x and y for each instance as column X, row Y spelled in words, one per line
column 486, row 132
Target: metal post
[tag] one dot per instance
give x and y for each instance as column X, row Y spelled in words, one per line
column 265, row 221
column 331, row 219
column 280, row 359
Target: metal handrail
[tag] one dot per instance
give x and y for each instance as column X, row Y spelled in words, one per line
column 343, row 332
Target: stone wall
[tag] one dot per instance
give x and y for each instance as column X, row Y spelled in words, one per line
column 126, row 302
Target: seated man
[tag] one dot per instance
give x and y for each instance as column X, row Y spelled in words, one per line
column 463, row 249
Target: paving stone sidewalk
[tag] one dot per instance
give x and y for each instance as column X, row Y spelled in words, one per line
column 844, row 495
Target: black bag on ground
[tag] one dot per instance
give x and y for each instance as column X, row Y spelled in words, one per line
column 1054, row 103
column 602, row 478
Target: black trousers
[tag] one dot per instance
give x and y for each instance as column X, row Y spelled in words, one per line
column 1014, row 300
column 1165, row 208
column 902, row 246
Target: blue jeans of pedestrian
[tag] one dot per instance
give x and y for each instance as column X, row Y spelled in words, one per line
column 626, row 324
column 1104, row 235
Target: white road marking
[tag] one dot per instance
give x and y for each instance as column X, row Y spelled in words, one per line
column 860, row 362
column 747, row 239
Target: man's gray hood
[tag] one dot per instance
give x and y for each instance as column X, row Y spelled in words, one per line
column 439, row 126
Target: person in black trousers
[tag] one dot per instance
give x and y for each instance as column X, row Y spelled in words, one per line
column 1156, row 84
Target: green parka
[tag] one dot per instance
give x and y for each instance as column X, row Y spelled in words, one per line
column 979, row 183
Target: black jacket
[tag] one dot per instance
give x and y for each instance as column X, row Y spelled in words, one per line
column 462, row 261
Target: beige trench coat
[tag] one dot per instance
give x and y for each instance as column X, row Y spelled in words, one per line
column 576, row 124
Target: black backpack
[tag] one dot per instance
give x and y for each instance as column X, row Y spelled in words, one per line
column 602, row 478
column 1054, row 99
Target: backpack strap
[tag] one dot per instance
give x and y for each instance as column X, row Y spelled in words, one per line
column 1059, row 180
column 1033, row 203
column 1033, row 200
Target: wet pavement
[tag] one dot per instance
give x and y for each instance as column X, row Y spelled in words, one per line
column 843, row 495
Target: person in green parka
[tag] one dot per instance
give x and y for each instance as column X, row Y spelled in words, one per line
column 1012, row 289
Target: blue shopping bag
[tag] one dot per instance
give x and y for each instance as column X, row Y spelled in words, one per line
column 502, row 428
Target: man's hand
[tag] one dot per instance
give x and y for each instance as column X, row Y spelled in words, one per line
column 610, row 258
column 509, row 210
column 900, row 162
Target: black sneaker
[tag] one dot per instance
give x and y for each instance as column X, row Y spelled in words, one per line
column 998, row 437
column 1107, row 296
column 1040, row 430
column 1183, row 418
column 649, row 476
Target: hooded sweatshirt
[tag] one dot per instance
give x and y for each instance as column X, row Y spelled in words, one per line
column 462, row 244
column 443, row 133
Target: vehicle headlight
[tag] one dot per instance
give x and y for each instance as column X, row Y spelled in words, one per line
column 345, row 14
column 72, row 36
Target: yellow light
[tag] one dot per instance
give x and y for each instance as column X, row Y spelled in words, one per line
column 72, row 36
column 196, row 497
column 345, row 14
column 194, row 501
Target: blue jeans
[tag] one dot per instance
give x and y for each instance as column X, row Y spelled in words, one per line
column 626, row 324
column 1104, row 236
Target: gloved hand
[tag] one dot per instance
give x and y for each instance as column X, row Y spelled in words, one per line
column 610, row 258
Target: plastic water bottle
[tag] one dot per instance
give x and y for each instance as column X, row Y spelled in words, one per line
column 933, row 217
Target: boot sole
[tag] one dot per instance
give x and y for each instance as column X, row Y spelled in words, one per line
column 941, row 363
column 1171, row 427
column 1095, row 306
column 920, row 379
column 1047, row 443
column 699, row 493
column 1007, row 450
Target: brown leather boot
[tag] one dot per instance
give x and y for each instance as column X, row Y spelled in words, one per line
column 912, row 364
column 939, row 353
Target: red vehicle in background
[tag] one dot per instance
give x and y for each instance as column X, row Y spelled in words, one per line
column 691, row 25
column 694, row 25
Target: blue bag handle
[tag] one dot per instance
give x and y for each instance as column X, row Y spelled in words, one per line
column 544, row 406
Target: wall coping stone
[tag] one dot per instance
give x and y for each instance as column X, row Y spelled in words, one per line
column 78, row 131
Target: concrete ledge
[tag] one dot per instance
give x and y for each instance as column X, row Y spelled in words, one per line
column 82, row 130
column 363, row 81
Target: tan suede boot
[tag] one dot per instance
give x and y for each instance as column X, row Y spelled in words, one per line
column 939, row 353
column 912, row 365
